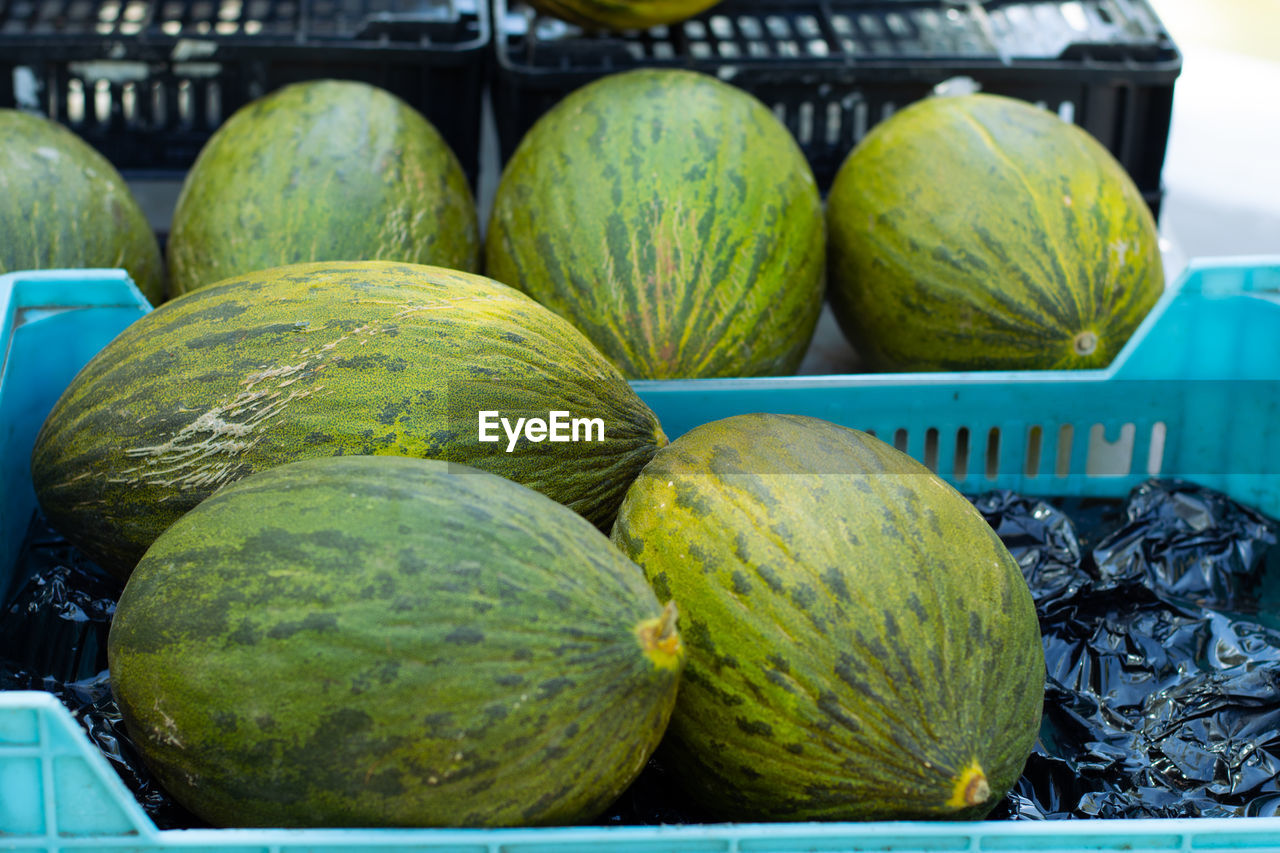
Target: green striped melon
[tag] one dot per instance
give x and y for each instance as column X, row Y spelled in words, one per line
column 860, row 643
column 673, row 219
column 381, row 641
column 981, row 232
column 622, row 14
column 342, row 358
column 64, row 206
column 321, row 170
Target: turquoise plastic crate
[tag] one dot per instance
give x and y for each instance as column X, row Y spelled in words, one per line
column 51, row 324
column 1196, row 393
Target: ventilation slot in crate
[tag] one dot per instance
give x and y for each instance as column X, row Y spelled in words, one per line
column 87, row 104
column 972, row 456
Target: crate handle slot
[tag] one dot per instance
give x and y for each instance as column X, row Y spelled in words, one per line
column 1110, row 458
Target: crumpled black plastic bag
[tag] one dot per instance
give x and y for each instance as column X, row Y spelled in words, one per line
column 53, row 637
column 1163, row 690
column 55, row 625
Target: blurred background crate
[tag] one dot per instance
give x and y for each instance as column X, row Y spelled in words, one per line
column 146, row 82
column 831, row 69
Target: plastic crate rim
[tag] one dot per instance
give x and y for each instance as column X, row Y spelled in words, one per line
column 1113, row 834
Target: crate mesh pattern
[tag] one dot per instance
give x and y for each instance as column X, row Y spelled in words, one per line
column 148, row 81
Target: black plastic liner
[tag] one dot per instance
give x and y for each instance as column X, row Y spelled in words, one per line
column 53, row 634
column 1160, row 618
column 1162, row 697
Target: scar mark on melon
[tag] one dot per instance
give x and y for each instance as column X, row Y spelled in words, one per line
column 205, row 452
column 167, row 732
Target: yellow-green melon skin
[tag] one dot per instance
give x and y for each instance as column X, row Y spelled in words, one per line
column 673, row 219
column 979, row 232
column 322, row 170
column 382, row 641
column 622, row 14
column 64, row 206
column 328, row 359
column 861, row 645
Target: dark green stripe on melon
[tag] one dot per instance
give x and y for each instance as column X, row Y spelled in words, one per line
column 860, row 643
column 981, row 232
column 322, row 170
column 320, row 360
column 379, row 641
column 64, row 206
column 673, row 219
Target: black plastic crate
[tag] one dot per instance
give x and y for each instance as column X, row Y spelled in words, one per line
column 831, row 69
column 147, row 82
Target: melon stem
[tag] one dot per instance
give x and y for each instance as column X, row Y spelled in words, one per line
column 1085, row 343
column 971, row 787
column 659, row 639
